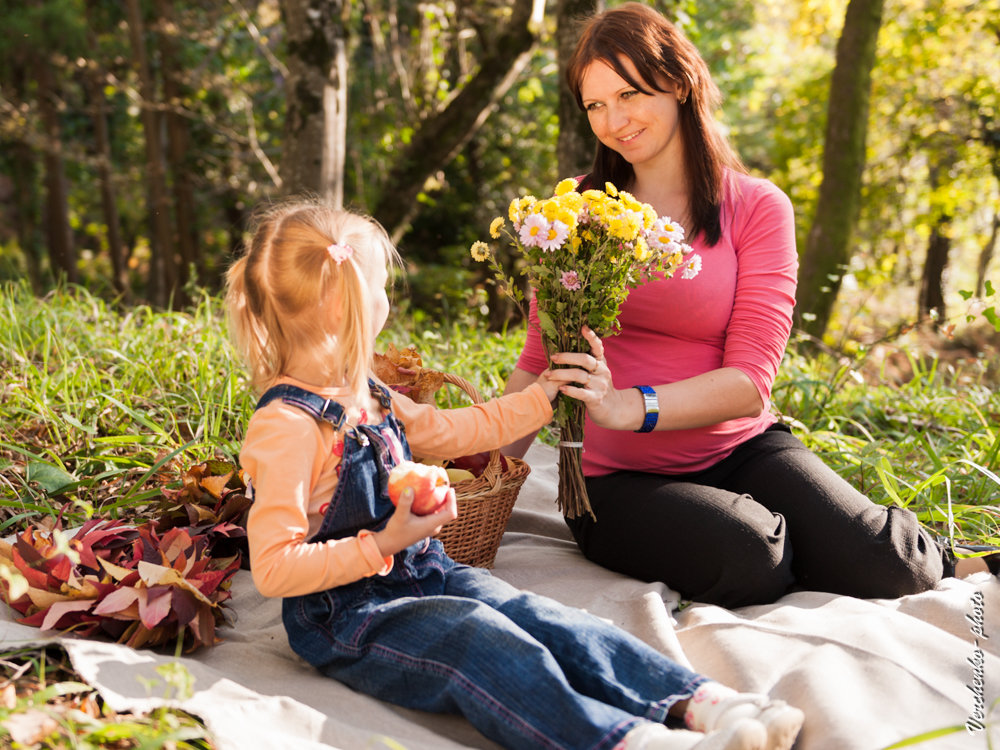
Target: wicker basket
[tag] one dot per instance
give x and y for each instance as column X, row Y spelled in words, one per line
column 484, row 503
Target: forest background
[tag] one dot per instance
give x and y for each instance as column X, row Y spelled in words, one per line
column 135, row 138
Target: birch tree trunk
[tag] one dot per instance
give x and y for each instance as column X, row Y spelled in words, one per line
column 316, row 120
column 576, row 144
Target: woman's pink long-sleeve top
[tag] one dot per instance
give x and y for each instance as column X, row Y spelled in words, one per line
column 737, row 312
column 292, row 462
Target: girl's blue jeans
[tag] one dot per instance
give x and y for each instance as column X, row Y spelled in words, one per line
column 526, row 671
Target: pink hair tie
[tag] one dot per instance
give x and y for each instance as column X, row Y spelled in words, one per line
column 339, row 253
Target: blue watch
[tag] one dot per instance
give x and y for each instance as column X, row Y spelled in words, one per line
column 652, row 404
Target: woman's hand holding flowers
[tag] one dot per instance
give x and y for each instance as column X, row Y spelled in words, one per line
column 587, row 378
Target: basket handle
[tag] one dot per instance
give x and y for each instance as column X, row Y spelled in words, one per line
column 493, row 470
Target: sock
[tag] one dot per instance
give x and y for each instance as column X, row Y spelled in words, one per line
column 746, row 734
column 703, row 708
column 716, row 708
column 652, row 736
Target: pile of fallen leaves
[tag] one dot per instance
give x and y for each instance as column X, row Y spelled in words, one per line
column 143, row 585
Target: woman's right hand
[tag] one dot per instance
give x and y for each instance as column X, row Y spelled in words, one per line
column 587, row 378
column 405, row 527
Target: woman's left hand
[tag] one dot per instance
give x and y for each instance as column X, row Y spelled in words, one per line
column 588, row 379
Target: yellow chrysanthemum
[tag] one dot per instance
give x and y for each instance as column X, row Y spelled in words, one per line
column 565, row 186
column 610, row 189
column 629, row 201
column 496, row 226
column 648, row 216
column 620, row 227
column 480, row 251
column 567, row 216
column 571, row 201
column 548, row 208
column 641, row 250
column 520, row 207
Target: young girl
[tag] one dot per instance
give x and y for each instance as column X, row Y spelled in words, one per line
column 370, row 597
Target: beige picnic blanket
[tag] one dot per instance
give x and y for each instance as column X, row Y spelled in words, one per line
column 867, row 673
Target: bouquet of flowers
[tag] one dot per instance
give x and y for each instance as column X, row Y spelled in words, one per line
column 583, row 253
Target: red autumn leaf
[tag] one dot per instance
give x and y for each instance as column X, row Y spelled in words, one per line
column 117, row 602
column 185, row 606
column 35, row 577
column 57, row 611
column 154, row 605
column 215, row 484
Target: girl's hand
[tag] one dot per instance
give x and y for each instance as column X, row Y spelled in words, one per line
column 405, row 527
column 588, row 379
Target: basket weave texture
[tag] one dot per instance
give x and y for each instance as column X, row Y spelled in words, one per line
column 484, row 503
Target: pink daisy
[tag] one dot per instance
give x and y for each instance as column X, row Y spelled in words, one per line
column 570, row 280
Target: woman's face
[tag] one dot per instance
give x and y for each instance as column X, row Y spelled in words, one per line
column 643, row 128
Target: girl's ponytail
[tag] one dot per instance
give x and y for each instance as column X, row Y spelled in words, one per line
column 303, row 283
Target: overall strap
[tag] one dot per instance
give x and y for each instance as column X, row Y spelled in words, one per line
column 309, row 402
column 380, row 393
column 319, row 407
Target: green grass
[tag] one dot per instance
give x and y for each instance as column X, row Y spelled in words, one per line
column 100, row 407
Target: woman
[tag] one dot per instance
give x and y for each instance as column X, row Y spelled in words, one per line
column 692, row 480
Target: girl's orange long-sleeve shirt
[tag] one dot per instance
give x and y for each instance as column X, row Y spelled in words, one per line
column 292, row 461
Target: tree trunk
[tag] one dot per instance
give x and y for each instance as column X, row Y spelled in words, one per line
column 931, row 304
column 316, row 119
column 441, row 136
column 161, row 278
column 109, row 201
column 24, row 171
column 576, row 144
column 25, row 174
column 93, row 81
column 178, row 148
column 59, row 234
column 986, row 255
column 828, row 250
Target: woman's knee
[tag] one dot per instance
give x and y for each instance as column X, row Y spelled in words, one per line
column 758, row 570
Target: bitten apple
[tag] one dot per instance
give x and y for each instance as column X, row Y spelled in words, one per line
column 430, row 486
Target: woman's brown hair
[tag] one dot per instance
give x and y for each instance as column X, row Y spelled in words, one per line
column 661, row 55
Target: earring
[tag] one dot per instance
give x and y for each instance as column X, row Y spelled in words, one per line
column 681, row 99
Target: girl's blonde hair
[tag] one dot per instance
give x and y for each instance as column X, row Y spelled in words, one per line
column 289, row 292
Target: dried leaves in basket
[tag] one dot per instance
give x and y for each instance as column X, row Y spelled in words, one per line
column 144, row 585
column 403, row 371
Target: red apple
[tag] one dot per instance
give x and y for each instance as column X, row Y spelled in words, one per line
column 430, row 486
column 476, row 462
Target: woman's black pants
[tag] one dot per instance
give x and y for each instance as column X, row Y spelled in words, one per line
column 769, row 518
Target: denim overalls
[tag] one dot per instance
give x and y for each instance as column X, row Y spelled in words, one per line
column 525, row 670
